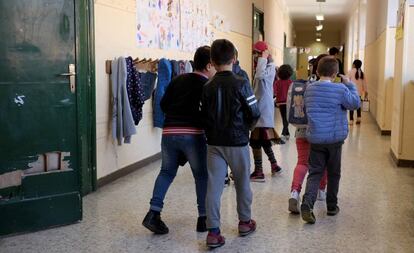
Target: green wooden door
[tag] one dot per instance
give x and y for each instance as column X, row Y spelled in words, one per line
column 39, row 174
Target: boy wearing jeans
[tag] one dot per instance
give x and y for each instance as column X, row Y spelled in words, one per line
column 229, row 109
column 326, row 107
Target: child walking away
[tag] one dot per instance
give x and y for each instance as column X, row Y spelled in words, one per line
column 230, row 110
column 264, row 133
column 358, row 77
column 281, row 88
column 183, row 140
column 296, row 115
column 326, row 104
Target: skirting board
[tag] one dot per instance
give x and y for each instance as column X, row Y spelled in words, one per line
column 401, row 162
column 383, row 132
column 127, row 170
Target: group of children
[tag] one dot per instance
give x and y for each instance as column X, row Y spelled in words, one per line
column 212, row 116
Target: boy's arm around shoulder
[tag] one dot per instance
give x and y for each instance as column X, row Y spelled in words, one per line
column 249, row 104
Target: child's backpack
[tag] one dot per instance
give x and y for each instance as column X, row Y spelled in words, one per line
column 296, row 103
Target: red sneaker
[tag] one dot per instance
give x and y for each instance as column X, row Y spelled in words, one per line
column 215, row 240
column 275, row 169
column 257, row 176
column 246, row 228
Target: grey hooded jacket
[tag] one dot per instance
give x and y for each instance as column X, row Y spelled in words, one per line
column 263, row 90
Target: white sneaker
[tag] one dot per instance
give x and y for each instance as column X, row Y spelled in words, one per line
column 321, row 195
column 294, row 202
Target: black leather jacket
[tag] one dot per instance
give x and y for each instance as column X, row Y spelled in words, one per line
column 230, row 109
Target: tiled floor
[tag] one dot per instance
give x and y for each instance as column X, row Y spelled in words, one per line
column 376, row 200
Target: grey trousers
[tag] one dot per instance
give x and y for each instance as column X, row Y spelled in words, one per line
column 238, row 159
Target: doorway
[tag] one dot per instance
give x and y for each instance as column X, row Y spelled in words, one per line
column 47, row 117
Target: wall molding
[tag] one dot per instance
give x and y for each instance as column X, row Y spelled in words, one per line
column 127, row 170
column 383, row 132
column 401, row 162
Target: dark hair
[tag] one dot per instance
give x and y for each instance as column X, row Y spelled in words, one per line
column 285, row 72
column 222, row 52
column 202, row 58
column 333, row 51
column 328, row 66
column 359, row 74
column 315, row 63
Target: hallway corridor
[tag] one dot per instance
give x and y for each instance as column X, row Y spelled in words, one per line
column 376, row 201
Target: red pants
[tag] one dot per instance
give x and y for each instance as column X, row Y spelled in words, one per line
column 303, row 147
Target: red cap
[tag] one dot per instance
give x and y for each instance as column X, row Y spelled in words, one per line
column 260, row 46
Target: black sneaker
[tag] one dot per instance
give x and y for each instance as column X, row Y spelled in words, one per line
column 332, row 210
column 201, row 224
column 153, row 222
column 307, row 213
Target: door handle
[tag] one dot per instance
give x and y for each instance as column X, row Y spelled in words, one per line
column 68, row 74
column 72, row 77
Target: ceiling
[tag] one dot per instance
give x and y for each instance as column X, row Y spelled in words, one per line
column 302, row 13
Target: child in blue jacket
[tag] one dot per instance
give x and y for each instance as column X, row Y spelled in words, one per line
column 326, row 107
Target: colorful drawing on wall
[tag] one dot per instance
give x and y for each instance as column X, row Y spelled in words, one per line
column 400, row 21
column 194, row 24
column 173, row 24
column 158, row 24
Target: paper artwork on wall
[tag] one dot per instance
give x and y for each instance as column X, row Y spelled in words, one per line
column 158, row 24
column 194, row 24
column 173, row 24
column 220, row 22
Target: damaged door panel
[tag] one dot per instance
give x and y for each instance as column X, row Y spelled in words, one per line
column 39, row 174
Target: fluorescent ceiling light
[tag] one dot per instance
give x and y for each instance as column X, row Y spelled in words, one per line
column 318, row 39
column 319, row 28
column 320, row 17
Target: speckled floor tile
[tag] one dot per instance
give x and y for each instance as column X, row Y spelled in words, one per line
column 376, row 200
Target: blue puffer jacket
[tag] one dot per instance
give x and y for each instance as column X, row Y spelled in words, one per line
column 164, row 79
column 326, row 107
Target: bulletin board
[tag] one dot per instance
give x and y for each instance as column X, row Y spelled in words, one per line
column 173, row 24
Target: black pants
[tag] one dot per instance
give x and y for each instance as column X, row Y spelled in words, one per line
column 282, row 109
column 323, row 156
column 351, row 114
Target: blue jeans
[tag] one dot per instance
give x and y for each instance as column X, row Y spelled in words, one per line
column 174, row 148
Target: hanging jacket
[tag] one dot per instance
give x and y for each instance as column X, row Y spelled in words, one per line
column 122, row 120
column 263, row 90
column 175, row 68
column 164, row 79
column 181, row 67
column 148, row 81
column 135, row 91
column 326, row 107
column 239, row 71
column 188, row 67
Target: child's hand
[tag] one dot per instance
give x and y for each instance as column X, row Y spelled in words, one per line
column 265, row 54
column 345, row 79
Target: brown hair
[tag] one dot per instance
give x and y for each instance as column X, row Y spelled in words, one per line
column 315, row 63
column 328, row 66
column 222, row 52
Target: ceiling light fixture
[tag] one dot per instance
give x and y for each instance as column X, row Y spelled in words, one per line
column 318, row 39
column 319, row 27
column 320, row 17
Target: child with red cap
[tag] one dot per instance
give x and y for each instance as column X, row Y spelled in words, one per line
column 264, row 133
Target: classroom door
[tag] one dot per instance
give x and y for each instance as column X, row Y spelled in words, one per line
column 39, row 172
